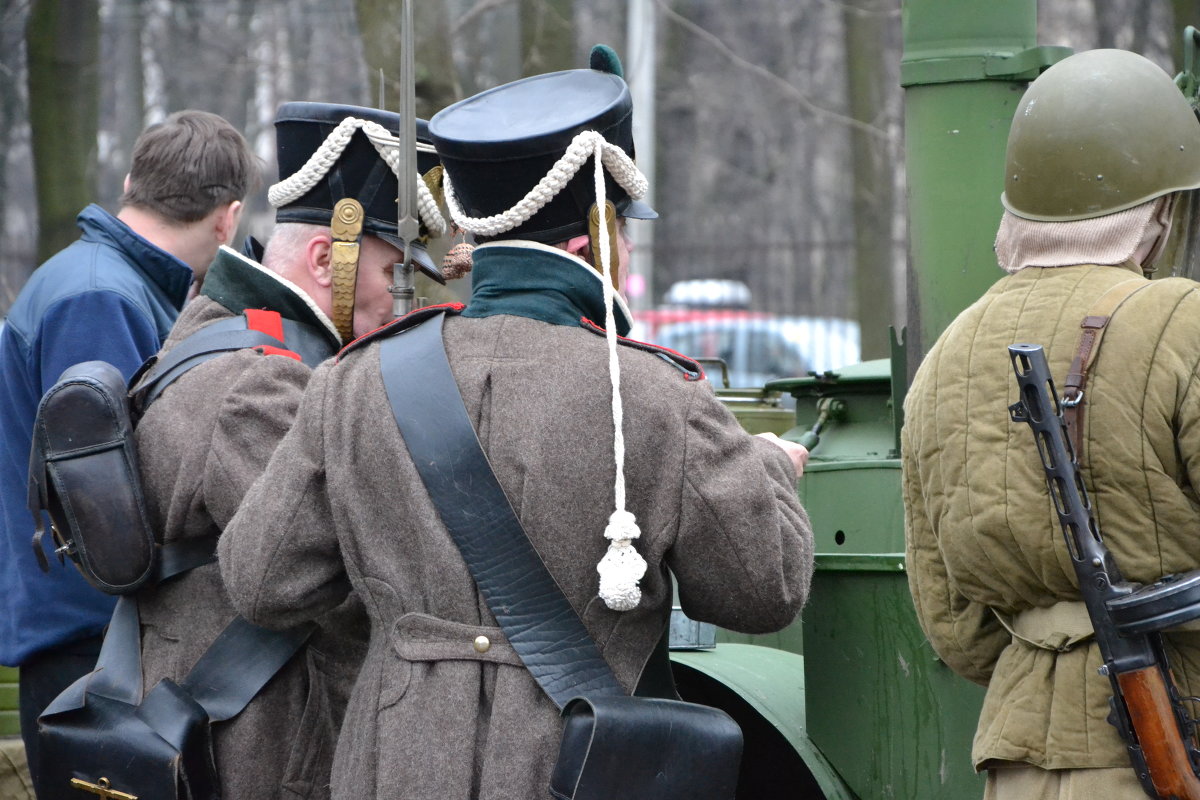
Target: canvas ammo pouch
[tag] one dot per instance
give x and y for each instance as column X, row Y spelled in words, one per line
column 83, row 471
column 613, row 745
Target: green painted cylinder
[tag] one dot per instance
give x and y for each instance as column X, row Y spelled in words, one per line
column 891, row 719
column 956, row 175
column 965, row 66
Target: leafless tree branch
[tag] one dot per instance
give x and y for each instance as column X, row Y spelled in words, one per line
column 852, row 8
column 480, row 8
column 771, row 77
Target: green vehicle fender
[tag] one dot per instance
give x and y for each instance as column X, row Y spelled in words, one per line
column 763, row 689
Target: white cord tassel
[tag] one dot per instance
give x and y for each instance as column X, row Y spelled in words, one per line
column 319, row 163
column 622, row 566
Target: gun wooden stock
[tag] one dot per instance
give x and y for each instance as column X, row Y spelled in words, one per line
column 1149, row 704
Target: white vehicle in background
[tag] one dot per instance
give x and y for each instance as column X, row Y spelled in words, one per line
column 759, row 348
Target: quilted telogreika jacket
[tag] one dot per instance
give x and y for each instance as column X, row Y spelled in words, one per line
column 201, row 446
column 981, row 529
column 341, row 505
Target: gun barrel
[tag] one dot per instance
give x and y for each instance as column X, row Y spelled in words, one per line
column 1041, row 408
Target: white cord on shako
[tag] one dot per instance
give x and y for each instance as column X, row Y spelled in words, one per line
column 386, row 144
column 622, row 566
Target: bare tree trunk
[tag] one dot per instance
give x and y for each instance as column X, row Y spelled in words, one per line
column 122, row 99
column 16, row 257
column 63, row 42
column 872, row 205
column 379, row 25
column 1141, row 29
column 547, row 39
column 1107, row 23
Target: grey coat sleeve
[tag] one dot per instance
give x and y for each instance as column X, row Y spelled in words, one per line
column 279, row 555
column 743, row 554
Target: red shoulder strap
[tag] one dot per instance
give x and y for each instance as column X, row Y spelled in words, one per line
column 270, row 323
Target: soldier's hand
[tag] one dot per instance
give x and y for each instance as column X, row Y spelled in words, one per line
column 798, row 453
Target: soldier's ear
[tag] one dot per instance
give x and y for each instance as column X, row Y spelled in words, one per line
column 580, row 246
column 318, row 254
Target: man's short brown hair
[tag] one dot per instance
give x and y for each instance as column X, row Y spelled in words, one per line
column 189, row 164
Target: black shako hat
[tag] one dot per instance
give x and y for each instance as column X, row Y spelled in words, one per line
column 359, row 172
column 497, row 145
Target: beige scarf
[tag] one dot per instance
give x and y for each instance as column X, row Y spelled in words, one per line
column 1110, row 239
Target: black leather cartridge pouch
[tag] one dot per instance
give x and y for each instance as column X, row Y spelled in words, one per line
column 83, row 472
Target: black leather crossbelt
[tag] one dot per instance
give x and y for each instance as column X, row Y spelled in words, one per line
column 528, row 604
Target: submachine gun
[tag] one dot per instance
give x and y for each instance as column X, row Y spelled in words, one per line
column 1147, row 709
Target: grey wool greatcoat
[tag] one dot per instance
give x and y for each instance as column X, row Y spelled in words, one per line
column 201, row 445
column 341, row 505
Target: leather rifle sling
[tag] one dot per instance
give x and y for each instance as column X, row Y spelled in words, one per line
column 528, row 604
column 1094, row 325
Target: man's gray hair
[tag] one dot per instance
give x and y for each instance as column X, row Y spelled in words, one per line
column 286, row 246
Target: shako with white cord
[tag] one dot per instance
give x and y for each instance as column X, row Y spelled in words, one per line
column 337, row 167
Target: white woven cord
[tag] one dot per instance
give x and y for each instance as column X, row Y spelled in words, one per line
column 622, row 566
column 582, row 147
column 292, row 188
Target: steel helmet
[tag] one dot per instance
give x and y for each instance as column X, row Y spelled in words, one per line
column 1099, row 132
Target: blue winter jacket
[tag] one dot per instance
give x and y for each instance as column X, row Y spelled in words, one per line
column 111, row 296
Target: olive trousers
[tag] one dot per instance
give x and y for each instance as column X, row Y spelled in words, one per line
column 1027, row 782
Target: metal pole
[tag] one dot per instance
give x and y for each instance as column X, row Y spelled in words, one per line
column 642, row 52
column 407, row 226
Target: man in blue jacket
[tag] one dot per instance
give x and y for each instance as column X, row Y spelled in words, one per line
column 112, row 296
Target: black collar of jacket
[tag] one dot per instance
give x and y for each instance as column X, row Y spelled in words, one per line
column 238, row 284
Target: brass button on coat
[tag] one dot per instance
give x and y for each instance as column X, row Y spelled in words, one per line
column 482, row 643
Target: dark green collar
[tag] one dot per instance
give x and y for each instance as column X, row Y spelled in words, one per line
column 238, row 283
column 539, row 283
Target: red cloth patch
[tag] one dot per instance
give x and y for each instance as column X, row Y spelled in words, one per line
column 263, row 321
column 268, row 350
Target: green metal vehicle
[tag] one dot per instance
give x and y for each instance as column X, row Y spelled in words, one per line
column 850, row 702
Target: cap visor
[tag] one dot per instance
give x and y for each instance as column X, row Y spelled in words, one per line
column 420, row 256
column 639, row 210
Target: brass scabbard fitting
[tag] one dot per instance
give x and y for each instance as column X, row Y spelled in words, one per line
column 610, row 219
column 346, row 229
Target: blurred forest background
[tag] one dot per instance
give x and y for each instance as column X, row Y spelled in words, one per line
column 775, row 125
